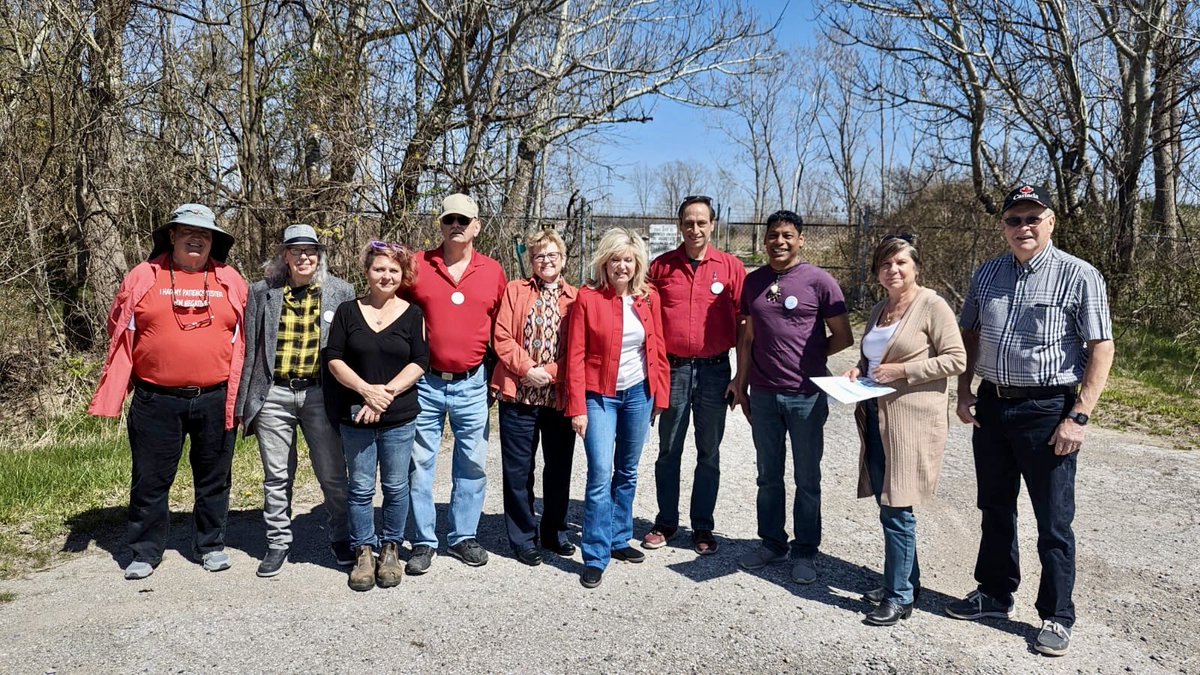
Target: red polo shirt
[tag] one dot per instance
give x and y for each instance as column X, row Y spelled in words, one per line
column 458, row 332
column 698, row 322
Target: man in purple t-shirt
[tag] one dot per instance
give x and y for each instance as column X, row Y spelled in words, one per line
column 788, row 305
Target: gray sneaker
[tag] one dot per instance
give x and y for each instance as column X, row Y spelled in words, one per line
column 803, row 570
column 1054, row 639
column 420, row 560
column 979, row 605
column 760, row 558
column 470, row 552
column 138, row 570
column 215, row 561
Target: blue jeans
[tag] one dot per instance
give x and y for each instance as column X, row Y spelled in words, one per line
column 1010, row 443
column 696, row 388
column 776, row 418
column 465, row 403
column 901, row 569
column 390, row 449
column 616, row 431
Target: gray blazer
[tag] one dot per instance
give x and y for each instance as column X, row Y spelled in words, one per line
column 262, row 334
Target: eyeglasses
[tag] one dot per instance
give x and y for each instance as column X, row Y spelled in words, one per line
column 387, row 246
column 903, row 236
column 1018, row 221
column 190, row 305
column 547, row 257
column 309, row 252
column 455, row 219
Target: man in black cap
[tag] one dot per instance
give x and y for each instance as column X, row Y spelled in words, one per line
column 1037, row 329
column 175, row 333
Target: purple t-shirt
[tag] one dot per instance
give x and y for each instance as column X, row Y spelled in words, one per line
column 789, row 344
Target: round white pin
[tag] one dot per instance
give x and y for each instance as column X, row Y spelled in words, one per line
column 790, row 302
column 458, row 298
column 717, row 287
column 328, row 316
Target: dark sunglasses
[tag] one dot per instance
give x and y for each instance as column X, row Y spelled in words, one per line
column 453, row 219
column 903, row 236
column 1017, row 221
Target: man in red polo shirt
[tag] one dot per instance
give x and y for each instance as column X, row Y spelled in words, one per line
column 459, row 290
column 701, row 289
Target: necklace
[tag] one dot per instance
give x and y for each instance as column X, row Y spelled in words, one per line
column 893, row 314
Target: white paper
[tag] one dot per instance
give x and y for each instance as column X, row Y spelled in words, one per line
column 851, row 391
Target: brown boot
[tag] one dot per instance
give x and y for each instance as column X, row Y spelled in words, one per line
column 390, row 570
column 362, row 577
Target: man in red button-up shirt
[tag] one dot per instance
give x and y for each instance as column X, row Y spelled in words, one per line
column 701, row 290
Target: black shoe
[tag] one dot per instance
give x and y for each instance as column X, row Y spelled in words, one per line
column 470, row 552
column 628, row 554
column 530, row 556
column 343, row 552
column 979, row 605
column 888, row 613
column 876, row 595
column 420, row 560
column 272, row 562
column 591, row 577
column 562, row 548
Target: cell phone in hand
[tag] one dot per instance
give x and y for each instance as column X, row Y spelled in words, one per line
column 354, row 411
column 729, row 399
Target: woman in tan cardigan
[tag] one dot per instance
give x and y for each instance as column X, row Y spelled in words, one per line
column 913, row 345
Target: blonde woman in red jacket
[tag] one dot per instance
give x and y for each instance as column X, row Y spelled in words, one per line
column 530, row 341
column 617, row 381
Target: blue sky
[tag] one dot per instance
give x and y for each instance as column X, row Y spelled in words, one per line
column 679, row 131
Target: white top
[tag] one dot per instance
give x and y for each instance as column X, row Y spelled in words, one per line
column 873, row 345
column 633, row 349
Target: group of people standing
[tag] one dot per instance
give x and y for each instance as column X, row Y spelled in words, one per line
column 372, row 380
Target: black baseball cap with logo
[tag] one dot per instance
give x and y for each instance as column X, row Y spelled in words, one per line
column 1031, row 193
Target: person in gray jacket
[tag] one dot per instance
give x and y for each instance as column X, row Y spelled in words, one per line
column 287, row 326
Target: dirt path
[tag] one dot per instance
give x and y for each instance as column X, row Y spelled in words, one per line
column 1138, row 530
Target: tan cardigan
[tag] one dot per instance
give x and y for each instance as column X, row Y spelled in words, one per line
column 914, row 420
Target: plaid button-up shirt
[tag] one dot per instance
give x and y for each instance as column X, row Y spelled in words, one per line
column 298, row 351
column 1034, row 319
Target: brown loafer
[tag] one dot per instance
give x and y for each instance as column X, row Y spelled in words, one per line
column 704, row 543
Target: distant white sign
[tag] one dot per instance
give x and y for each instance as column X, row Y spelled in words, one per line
column 663, row 238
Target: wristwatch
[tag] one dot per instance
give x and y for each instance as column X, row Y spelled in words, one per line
column 1078, row 418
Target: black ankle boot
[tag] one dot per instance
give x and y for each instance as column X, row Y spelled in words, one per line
column 888, row 613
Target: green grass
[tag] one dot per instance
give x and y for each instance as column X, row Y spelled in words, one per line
column 75, row 478
column 7, row 596
column 1153, row 385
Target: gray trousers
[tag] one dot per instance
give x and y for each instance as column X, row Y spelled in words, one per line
column 275, row 425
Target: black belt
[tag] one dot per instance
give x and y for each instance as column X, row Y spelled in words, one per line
column 297, row 383
column 698, row 360
column 455, row 377
column 179, row 392
column 1027, row 392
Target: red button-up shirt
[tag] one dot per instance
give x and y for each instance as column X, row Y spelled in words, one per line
column 698, row 322
column 458, row 333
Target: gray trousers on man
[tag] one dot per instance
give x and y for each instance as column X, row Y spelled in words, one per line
column 275, row 425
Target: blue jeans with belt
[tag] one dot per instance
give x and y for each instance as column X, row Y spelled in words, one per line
column 616, row 432
column 901, row 569
column 1011, row 443
column 389, row 449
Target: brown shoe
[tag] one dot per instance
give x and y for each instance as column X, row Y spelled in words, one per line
column 390, row 570
column 656, row 538
column 362, row 577
column 704, row 543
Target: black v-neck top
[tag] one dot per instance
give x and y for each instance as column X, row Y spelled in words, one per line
column 376, row 358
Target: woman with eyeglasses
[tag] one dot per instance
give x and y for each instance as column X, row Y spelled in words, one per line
column 377, row 351
column 175, row 332
column 618, row 379
column 530, row 346
column 912, row 344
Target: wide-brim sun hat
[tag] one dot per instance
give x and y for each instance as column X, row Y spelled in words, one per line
column 193, row 215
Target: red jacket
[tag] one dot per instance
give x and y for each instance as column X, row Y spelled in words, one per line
column 508, row 338
column 594, row 332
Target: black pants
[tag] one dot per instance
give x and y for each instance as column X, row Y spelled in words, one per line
column 521, row 426
column 1012, row 442
column 158, row 424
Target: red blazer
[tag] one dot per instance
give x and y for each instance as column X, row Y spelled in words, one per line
column 594, row 348
column 508, row 337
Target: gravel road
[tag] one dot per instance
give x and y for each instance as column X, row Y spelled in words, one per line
column 676, row 612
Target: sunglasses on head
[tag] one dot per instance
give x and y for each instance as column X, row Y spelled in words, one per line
column 903, row 236
column 387, row 246
column 455, row 219
column 1018, row 221
column 695, row 199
